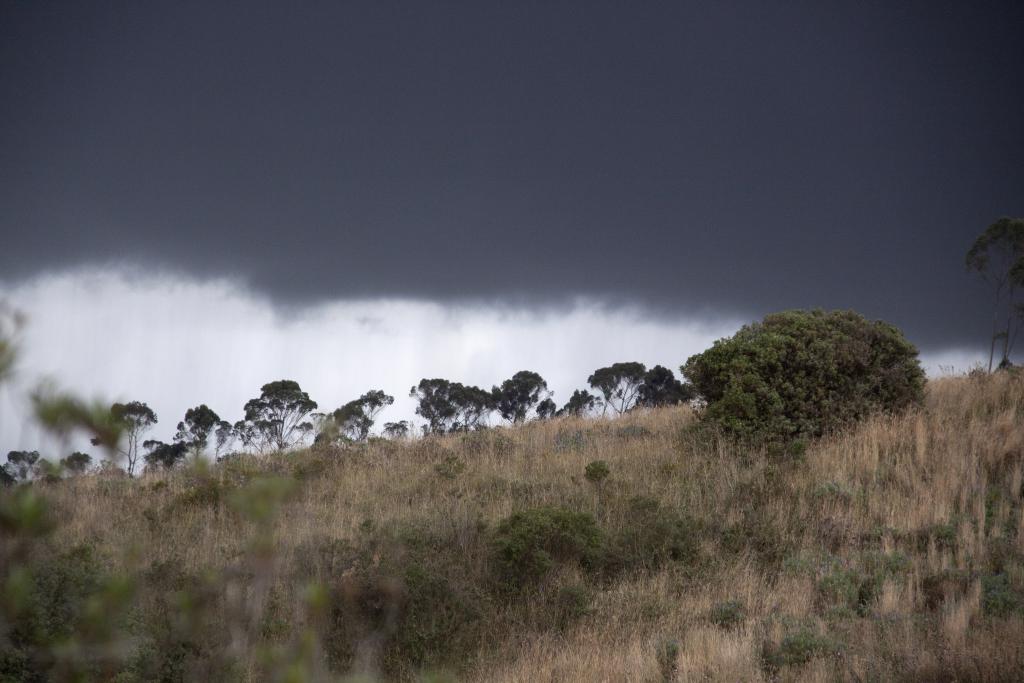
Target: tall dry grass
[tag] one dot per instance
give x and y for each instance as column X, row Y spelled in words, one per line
column 892, row 551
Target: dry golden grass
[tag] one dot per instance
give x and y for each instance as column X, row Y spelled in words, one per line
column 874, row 547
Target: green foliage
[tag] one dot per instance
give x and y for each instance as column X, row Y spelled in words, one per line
column 528, row 544
column 451, row 406
column 164, row 455
column 999, row 597
column 21, row 464
column 136, row 418
column 355, row 419
column 278, row 418
column 661, row 388
column 596, row 472
column 728, row 615
column 76, row 463
column 650, row 536
column 798, row 648
column 804, row 373
column 11, row 322
column 517, row 396
column 68, row 611
column 396, row 430
column 546, row 409
column 195, row 430
column 580, row 404
column 998, row 256
column 619, row 384
column 63, row 413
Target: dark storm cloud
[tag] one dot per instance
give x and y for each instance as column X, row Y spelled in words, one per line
column 732, row 156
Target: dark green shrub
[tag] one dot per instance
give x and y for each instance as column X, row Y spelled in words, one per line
column 999, row 597
column 651, row 536
column 798, row 648
column 727, row 615
column 529, row 543
column 804, row 373
column 596, row 472
column 571, row 603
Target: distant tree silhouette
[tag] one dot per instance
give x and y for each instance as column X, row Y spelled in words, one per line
column 435, row 404
column 278, row 419
column 580, row 404
column 136, row 418
column 450, row 406
column 474, row 406
column 21, row 464
column 619, row 384
column 546, row 409
column 164, row 455
column 76, row 463
column 997, row 255
column 661, row 388
column 517, row 396
column 195, row 430
column 396, row 430
column 355, row 419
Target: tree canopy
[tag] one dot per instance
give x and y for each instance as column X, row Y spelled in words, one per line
column 451, row 406
column 278, row 418
column 355, row 419
column 804, row 373
column 661, row 388
column 195, row 430
column 619, row 384
column 518, row 395
column 136, row 418
column 580, row 404
column 997, row 255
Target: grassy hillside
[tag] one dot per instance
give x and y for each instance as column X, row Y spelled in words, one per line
column 894, row 551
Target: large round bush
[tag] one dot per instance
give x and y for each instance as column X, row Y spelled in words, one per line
column 804, row 373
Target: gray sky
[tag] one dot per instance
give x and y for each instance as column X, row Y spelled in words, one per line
column 678, row 163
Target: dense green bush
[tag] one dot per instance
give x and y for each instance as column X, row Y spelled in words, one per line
column 528, row 544
column 804, row 373
column 650, row 536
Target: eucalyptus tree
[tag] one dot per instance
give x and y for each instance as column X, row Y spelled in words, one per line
column 997, row 255
column 396, row 430
column 546, row 409
column 76, row 463
column 580, row 404
column 136, row 419
column 518, row 395
column 619, row 384
column 21, row 464
column 200, row 424
column 164, row 455
column 661, row 388
column 355, row 419
column 451, row 406
column 278, row 419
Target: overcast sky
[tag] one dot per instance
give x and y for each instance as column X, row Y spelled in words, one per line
column 653, row 172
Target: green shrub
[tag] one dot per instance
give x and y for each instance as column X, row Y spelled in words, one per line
column 798, row 648
column 999, row 597
column 727, row 615
column 804, row 373
column 650, row 537
column 450, row 468
column 529, row 543
column 596, row 472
